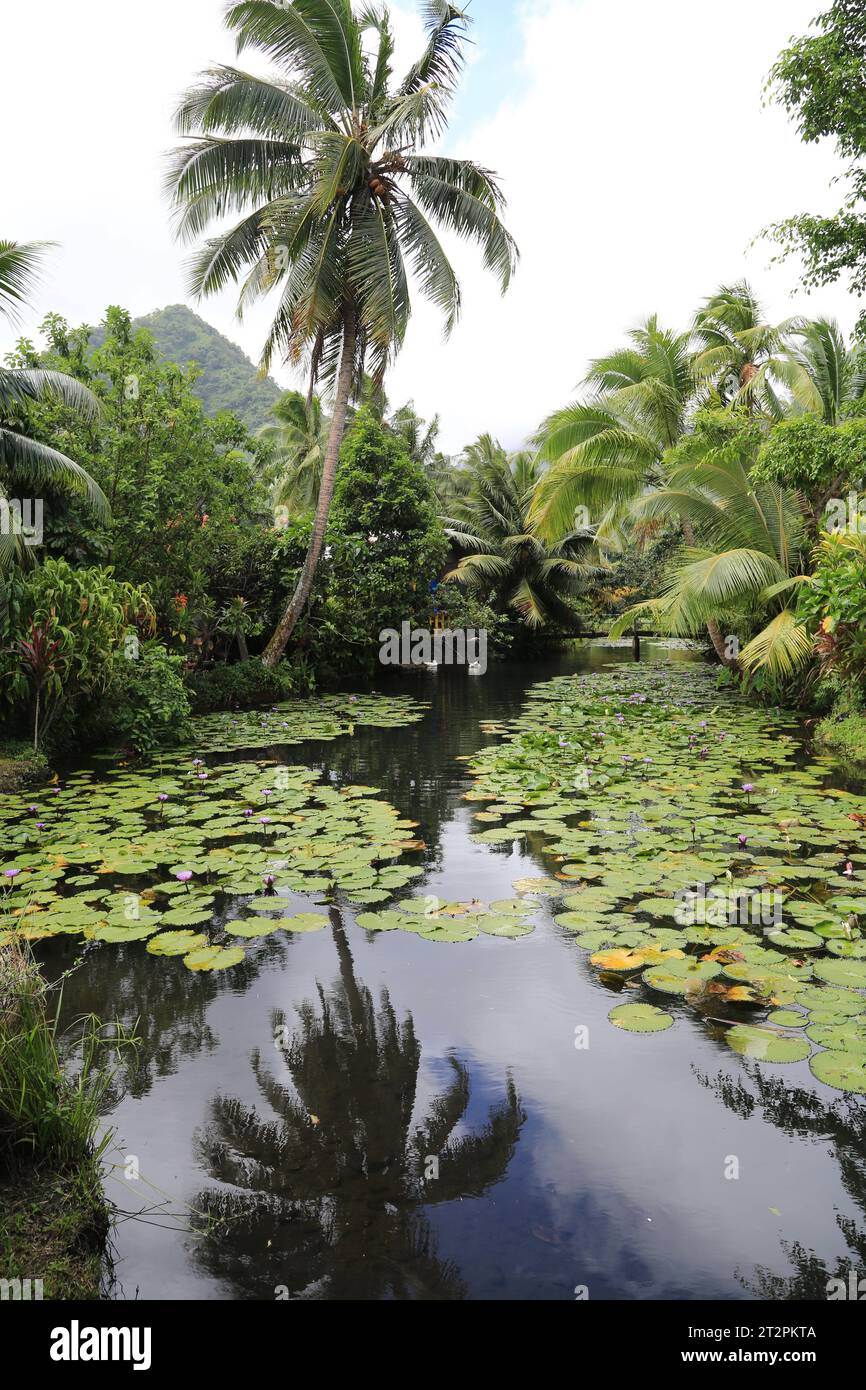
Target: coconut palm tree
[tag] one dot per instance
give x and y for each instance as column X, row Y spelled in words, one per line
column 325, row 165
column 747, row 360
column 837, row 371
column 602, row 450
column 504, row 557
column 21, row 457
column 298, row 439
column 748, row 554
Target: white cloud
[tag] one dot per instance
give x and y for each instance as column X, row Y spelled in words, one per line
column 632, row 142
column 639, row 163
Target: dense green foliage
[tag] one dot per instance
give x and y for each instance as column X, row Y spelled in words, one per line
column 818, row 79
column 386, row 541
column 178, row 484
column 503, row 561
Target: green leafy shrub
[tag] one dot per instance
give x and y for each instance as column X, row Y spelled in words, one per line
column 146, row 703
column 248, row 683
column 833, row 605
column 820, row 461
column 62, row 631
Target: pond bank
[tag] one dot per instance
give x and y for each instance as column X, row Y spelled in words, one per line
column 54, row 1219
column 20, row 767
column 55, row 1228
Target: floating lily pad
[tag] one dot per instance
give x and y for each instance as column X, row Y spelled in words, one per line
column 681, row 976
column 844, row 1071
column 765, row 1045
column 641, row 1018
column 788, row 1018
column 214, row 958
column 846, row 974
column 176, row 943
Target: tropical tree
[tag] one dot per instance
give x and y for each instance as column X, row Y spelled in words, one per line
column 837, row 372
column 327, row 169
column 747, row 360
column 23, row 458
column 601, row 451
column 298, row 439
column 505, row 558
column 418, row 434
column 747, row 556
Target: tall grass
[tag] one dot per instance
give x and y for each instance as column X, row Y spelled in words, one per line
column 46, row 1111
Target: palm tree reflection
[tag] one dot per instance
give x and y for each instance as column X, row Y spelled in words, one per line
column 329, row 1197
column 841, row 1124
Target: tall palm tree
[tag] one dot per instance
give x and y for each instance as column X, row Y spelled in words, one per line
column 418, row 435
column 837, row 371
column 602, row 450
column 20, row 456
column 298, row 438
column 504, row 557
column 746, row 359
column 749, row 551
column 326, row 167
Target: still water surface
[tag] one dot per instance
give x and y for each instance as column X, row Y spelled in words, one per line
column 270, row 1170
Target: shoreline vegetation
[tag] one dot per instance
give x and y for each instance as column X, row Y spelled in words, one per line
column 55, row 1218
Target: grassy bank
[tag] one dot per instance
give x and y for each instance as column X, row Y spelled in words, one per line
column 845, row 736
column 53, row 1226
column 20, row 766
column 54, row 1220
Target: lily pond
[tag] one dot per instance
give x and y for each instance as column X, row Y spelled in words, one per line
column 524, row 987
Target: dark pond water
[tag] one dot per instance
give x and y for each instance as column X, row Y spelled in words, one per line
column 266, row 1170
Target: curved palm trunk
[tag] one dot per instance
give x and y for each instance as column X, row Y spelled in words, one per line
column 716, row 635
column 286, row 625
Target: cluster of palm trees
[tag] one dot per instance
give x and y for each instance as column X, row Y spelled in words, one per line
column 667, row 431
column 326, row 189
column 663, row 439
column 27, row 464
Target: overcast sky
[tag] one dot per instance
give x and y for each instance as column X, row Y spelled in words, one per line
column 632, row 139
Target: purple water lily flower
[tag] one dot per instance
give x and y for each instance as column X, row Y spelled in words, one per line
column 11, row 873
column 163, row 797
column 184, row 876
column 40, row 825
column 742, row 841
column 267, row 791
column 34, row 810
column 248, row 812
column 198, row 762
column 848, row 870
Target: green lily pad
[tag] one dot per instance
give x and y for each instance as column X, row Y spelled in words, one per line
column 764, row 1045
column 176, row 943
column 214, row 958
column 641, row 1018
column 844, row 1071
